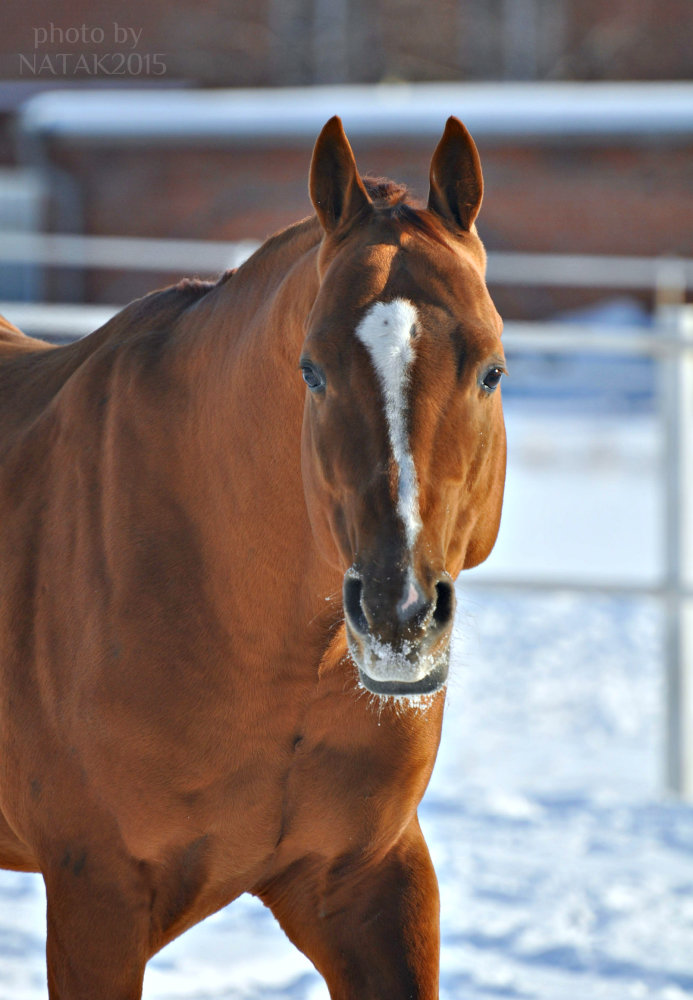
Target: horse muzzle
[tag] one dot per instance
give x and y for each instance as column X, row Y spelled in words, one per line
column 401, row 645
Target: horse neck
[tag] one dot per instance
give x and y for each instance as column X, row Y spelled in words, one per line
column 257, row 314
column 243, row 443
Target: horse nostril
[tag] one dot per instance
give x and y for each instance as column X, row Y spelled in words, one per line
column 353, row 609
column 445, row 603
column 410, row 620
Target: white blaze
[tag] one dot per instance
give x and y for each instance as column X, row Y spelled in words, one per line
column 387, row 331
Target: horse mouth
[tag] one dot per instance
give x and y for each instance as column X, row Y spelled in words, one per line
column 401, row 673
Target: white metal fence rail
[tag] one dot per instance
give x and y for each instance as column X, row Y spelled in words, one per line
column 122, row 252
column 671, row 344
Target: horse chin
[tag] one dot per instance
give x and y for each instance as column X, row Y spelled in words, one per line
column 404, row 673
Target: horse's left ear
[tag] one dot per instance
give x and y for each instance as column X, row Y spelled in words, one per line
column 457, row 185
column 336, row 189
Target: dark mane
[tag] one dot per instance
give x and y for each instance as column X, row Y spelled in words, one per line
column 391, row 199
column 384, row 192
column 195, row 287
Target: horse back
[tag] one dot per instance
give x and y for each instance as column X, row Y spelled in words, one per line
column 14, row 342
column 33, row 372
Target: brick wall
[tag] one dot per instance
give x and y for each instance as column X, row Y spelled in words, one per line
column 613, row 199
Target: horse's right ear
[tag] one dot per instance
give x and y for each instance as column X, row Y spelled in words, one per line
column 336, row 190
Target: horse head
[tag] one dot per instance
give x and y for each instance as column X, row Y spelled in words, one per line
column 403, row 447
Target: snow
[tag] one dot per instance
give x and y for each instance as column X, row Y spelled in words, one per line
column 565, row 871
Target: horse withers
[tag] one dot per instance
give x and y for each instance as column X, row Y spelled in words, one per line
column 230, row 522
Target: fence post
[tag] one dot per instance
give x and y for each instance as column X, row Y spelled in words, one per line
column 676, row 390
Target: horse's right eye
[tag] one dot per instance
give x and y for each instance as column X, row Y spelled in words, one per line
column 312, row 376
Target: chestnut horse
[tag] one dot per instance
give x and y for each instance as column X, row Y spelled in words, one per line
column 230, row 521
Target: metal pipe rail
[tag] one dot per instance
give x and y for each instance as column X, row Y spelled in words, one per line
column 122, row 252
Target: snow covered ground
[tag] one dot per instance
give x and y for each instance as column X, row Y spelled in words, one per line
column 565, row 872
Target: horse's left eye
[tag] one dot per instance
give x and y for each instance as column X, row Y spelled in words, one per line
column 313, row 378
column 491, row 379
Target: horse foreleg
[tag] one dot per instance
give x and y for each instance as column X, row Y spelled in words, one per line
column 98, row 927
column 370, row 927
